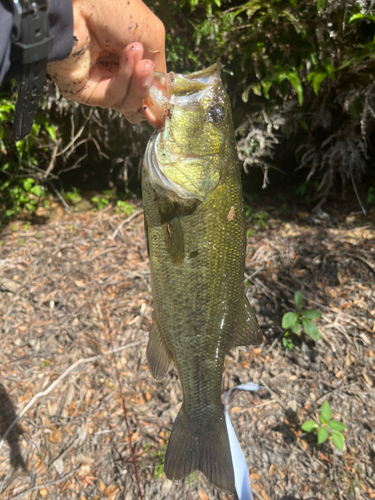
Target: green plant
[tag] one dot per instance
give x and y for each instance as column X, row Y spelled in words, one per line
column 123, row 206
column 157, row 457
column 328, row 428
column 261, row 219
column 288, row 342
column 19, row 194
column 371, row 195
column 301, row 320
column 100, row 202
column 21, row 185
column 72, row 196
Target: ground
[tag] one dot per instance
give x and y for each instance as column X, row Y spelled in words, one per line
column 75, row 309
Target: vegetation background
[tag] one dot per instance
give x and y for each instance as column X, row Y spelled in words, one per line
column 300, row 74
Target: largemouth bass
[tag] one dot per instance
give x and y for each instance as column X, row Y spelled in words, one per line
column 195, row 229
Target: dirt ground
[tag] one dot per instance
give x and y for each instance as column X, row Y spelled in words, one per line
column 75, row 309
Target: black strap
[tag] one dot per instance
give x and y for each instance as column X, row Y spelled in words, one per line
column 30, row 48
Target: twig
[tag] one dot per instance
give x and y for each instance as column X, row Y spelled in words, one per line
column 75, row 137
column 40, row 395
column 67, row 207
column 52, row 161
column 356, row 192
column 45, row 485
column 277, row 399
column 126, row 221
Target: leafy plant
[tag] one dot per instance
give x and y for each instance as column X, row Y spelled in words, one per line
column 261, row 219
column 73, row 196
column 100, row 202
column 301, row 320
column 123, row 206
column 157, row 456
column 20, row 193
column 328, row 428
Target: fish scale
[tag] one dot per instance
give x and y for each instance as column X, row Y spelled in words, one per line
column 196, row 245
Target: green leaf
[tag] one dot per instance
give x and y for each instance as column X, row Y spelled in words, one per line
column 266, row 85
column 36, row 190
column 310, row 329
column 296, row 328
column 309, row 426
column 27, row 184
column 355, row 17
column 336, row 425
column 320, row 4
column 318, row 80
column 289, row 319
column 285, row 342
column 322, row 420
column 326, row 411
column 298, row 300
column 338, row 440
column 310, row 314
column 257, row 89
column 296, row 82
column 322, row 435
column 51, row 131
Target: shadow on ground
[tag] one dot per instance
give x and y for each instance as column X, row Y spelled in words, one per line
column 7, row 416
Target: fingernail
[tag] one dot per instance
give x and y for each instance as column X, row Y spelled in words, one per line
column 147, row 80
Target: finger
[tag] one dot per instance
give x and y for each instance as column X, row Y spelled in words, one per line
column 138, row 90
column 108, row 82
column 119, row 85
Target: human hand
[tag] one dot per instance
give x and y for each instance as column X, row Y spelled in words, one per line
column 106, row 67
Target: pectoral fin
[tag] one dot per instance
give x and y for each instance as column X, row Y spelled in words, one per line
column 159, row 357
column 248, row 330
column 175, row 240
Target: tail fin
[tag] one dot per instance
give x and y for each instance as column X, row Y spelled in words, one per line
column 208, row 452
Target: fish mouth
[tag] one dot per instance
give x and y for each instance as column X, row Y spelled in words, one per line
column 176, row 89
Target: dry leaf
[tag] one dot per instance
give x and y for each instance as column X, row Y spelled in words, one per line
column 111, row 491
column 55, row 437
column 264, row 495
column 202, row 495
column 101, row 486
column 43, row 492
column 236, row 409
column 230, row 215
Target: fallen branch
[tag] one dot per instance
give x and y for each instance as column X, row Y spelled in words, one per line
column 40, row 395
column 126, row 221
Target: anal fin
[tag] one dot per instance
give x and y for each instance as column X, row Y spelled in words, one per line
column 248, row 330
column 159, row 357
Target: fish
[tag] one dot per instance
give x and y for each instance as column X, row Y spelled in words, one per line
column 196, row 241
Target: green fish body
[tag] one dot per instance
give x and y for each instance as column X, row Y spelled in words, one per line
column 195, row 229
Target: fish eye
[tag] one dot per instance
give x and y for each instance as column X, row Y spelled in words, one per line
column 216, row 113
